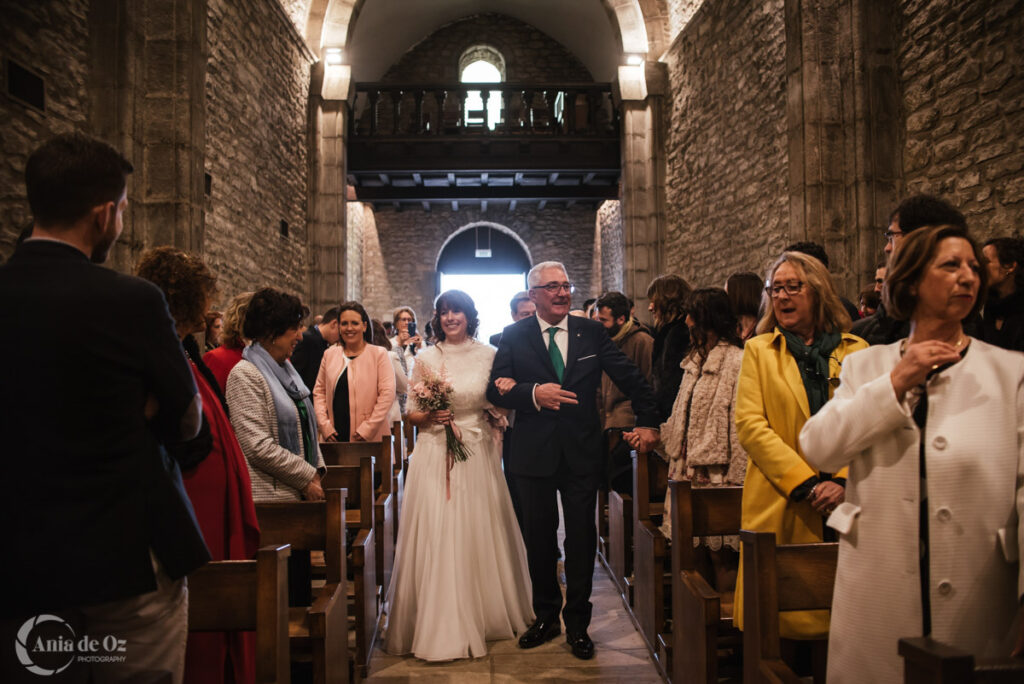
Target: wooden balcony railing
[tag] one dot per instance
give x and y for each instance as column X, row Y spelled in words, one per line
column 395, row 110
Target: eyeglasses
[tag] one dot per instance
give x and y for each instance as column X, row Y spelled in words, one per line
column 555, row 288
column 792, row 288
column 891, row 235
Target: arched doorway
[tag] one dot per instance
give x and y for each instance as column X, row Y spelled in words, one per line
column 489, row 262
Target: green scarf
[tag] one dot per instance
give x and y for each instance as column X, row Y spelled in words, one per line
column 813, row 364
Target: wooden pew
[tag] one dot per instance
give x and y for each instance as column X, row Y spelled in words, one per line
column 620, row 530
column 775, row 579
column 400, row 466
column 381, row 454
column 247, row 595
column 701, row 617
column 364, row 592
column 318, row 632
column 926, row 661
column 651, row 568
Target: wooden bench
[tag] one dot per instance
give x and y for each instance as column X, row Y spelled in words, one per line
column 775, row 579
column 247, row 595
column 926, row 661
column 381, row 455
column 319, row 632
column 651, row 568
column 364, row 592
column 701, row 616
column 620, row 529
column 400, row 466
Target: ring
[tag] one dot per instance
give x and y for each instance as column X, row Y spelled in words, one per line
column 935, row 366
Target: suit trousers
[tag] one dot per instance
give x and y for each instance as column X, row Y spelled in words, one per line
column 538, row 507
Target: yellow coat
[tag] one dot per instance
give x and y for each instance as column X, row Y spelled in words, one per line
column 771, row 408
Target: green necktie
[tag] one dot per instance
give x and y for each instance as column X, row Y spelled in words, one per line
column 555, row 354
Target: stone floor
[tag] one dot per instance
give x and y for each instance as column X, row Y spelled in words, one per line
column 620, row 654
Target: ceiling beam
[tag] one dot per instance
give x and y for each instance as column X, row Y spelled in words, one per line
column 541, row 192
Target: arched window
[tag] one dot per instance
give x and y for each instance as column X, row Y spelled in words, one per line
column 482, row 64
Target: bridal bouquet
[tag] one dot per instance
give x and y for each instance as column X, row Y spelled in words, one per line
column 434, row 392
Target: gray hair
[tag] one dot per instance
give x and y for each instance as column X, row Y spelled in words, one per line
column 533, row 277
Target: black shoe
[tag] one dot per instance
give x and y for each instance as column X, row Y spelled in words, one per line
column 540, row 632
column 581, row 645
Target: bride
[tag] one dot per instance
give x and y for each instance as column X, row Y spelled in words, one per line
column 460, row 576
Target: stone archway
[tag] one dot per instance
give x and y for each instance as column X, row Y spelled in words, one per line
column 477, row 224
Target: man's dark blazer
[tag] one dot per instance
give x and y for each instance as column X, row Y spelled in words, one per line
column 573, row 430
column 308, row 354
column 90, row 487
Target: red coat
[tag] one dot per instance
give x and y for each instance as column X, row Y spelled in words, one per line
column 221, row 495
column 220, row 361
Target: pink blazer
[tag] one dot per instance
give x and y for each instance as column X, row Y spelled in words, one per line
column 371, row 391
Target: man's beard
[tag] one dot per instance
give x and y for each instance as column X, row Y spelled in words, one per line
column 102, row 250
column 614, row 330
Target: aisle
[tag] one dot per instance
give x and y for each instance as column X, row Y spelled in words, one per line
column 620, row 654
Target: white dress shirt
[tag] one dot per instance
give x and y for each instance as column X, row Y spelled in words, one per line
column 561, row 341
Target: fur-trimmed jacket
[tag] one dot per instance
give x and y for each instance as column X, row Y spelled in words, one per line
column 706, row 402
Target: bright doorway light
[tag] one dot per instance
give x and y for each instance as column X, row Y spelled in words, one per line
column 482, row 72
column 491, row 293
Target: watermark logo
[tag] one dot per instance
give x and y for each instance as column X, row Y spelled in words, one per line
column 47, row 645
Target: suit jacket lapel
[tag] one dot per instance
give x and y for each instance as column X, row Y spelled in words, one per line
column 572, row 348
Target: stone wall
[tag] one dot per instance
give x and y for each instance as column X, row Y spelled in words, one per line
column 399, row 257
column 726, row 157
column 531, row 56
column 609, row 238
column 50, row 39
column 680, row 12
column 961, row 67
column 257, row 89
column 362, row 242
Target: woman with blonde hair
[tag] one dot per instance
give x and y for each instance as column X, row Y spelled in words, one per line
column 221, row 360
column 787, row 375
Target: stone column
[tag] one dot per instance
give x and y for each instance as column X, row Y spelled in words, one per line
column 328, row 244
column 843, row 128
column 643, row 178
column 147, row 93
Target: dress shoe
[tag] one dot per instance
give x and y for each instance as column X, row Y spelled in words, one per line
column 581, row 645
column 540, row 632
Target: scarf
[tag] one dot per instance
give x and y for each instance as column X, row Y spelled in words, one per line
column 290, row 394
column 623, row 332
column 812, row 361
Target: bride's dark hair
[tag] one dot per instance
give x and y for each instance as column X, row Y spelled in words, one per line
column 457, row 301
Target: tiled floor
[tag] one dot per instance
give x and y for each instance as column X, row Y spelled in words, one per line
column 620, row 655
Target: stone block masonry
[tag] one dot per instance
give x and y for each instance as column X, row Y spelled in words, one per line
column 257, row 89
column 961, row 70
column 50, row 39
column 726, row 158
column 400, row 254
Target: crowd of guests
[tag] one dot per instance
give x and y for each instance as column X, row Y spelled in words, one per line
column 767, row 383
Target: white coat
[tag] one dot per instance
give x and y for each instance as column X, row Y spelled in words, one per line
column 975, row 472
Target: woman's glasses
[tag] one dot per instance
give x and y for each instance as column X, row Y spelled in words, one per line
column 791, row 288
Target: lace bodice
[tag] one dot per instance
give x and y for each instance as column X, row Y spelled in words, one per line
column 468, row 367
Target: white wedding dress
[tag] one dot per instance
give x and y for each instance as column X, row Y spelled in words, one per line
column 460, row 577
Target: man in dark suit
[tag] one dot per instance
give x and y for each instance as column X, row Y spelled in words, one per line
column 548, row 368
column 521, row 308
column 309, row 352
column 98, row 528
